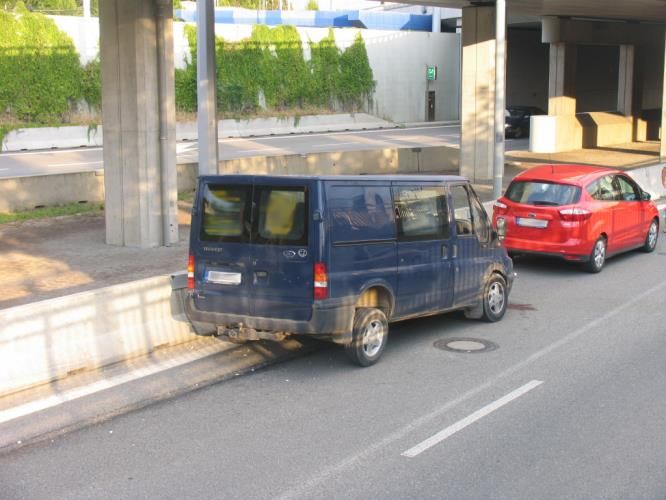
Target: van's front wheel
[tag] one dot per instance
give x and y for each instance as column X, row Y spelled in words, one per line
column 368, row 336
column 494, row 299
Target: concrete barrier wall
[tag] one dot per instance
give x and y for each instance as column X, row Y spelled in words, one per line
column 649, row 179
column 74, row 137
column 24, row 139
column 45, row 341
column 376, row 161
column 25, row 193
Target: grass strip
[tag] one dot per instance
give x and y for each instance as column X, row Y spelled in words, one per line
column 54, row 211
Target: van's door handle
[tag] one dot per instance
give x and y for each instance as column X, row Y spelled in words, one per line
column 454, row 251
column 445, row 251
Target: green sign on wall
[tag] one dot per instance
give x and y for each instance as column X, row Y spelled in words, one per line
column 431, row 73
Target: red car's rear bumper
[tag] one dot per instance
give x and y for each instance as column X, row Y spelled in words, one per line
column 571, row 249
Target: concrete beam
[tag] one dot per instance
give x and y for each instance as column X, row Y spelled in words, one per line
column 562, row 30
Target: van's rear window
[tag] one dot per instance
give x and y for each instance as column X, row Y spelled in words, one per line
column 279, row 216
column 226, row 214
column 543, row 193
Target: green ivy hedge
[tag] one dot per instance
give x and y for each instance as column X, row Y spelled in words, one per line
column 40, row 72
column 41, row 77
column 271, row 64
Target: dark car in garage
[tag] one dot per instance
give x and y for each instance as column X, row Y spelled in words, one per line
column 517, row 120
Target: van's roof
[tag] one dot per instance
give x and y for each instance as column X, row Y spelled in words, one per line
column 390, row 177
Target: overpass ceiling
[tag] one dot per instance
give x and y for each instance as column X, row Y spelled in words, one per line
column 627, row 10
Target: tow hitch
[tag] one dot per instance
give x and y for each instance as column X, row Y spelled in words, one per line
column 244, row 333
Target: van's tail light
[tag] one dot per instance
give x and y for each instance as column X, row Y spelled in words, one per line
column 575, row 214
column 190, row 272
column 320, row 281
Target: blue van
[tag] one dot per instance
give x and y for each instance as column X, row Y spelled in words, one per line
column 340, row 257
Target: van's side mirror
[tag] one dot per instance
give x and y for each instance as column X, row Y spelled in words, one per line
column 501, row 228
column 645, row 196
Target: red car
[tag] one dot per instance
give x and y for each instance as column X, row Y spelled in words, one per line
column 579, row 213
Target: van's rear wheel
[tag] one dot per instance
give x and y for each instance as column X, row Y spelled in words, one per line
column 368, row 336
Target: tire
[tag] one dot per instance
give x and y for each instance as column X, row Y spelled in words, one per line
column 369, row 336
column 495, row 299
column 597, row 257
column 651, row 237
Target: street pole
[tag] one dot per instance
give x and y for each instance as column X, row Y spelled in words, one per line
column 500, row 95
column 206, row 95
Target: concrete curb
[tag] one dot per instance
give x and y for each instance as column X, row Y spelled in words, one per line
column 27, row 139
column 48, row 340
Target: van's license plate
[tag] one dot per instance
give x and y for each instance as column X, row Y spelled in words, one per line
column 538, row 223
column 223, row 278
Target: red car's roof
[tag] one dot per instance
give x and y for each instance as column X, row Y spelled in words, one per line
column 569, row 174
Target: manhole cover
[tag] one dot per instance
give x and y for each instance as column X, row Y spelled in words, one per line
column 465, row 345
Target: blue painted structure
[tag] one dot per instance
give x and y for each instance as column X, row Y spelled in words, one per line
column 394, row 21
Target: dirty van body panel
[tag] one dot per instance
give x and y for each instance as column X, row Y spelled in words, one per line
column 282, row 259
column 219, row 241
column 361, row 246
column 425, row 269
column 251, row 245
column 476, row 250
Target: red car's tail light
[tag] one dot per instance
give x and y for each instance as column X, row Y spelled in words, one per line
column 575, row 214
column 499, row 207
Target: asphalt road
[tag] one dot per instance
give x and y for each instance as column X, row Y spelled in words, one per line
column 27, row 163
column 570, row 404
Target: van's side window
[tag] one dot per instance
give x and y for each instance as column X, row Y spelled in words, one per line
column 360, row 213
column 225, row 213
column 469, row 214
column 422, row 212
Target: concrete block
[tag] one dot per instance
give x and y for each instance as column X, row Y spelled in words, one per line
column 45, row 341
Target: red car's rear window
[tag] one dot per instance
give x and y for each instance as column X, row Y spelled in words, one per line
column 543, row 193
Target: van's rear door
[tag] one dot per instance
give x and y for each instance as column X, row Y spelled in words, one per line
column 282, row 259
column 253, row 252
column 221, row 246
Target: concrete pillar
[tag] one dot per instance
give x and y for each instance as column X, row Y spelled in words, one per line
column 477, row 145
column 562, row 79
column 436, row 19
column 625, row 81
column 662, row 149
column 139, row 155
column 206, row 88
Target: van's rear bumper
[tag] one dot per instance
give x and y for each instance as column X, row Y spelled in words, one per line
column 328, row 319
